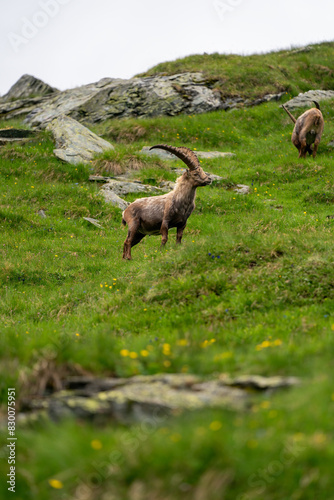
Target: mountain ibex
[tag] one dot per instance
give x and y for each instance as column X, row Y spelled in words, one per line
column 308, row 130
column 158, row 214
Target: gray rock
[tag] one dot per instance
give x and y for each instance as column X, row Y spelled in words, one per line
column 167, row 185
column 113, row 199
column 147, row 96
column 238, row 102
column 19, row 107
column 42, row 214
column 95, row 222
column 267, row 98
column 213, row 177
column 330, row 144
column 28, row 86
column 152, row 397
column 258, row 382
column 241, row 189
column 211, row 155
column 99, row 178
column 115, row 98
column 166, row 155
column 122, row 188
column 307, row 98
column 74, row 142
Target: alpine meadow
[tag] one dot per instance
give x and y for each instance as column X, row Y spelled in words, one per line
column 248, row 293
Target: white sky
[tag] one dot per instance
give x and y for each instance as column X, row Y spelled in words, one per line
column 72, row 42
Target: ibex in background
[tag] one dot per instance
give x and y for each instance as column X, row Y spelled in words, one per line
column 308, row 130
column 158, row 214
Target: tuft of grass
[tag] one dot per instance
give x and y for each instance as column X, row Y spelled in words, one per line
column 124, row 159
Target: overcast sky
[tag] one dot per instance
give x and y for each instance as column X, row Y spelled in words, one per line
column 72, row 42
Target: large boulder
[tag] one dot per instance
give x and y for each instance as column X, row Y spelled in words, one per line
column 74, row 142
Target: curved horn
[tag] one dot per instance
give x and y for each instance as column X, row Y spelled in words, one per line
column 185, row 154
column 291, row 116
column 316, row 104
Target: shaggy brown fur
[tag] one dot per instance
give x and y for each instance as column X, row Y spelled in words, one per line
column 158, row 214
column 307, row 131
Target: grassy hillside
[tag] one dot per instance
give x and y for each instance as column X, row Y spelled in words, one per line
column 249, row 291
column 256, row 75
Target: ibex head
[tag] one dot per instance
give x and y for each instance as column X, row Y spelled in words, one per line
column 195, row 172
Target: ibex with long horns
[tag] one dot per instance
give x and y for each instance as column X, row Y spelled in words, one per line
column 308, row 130
column 158, row 214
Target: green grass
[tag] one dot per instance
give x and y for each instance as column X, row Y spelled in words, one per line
column 260, row 74
column 250, row 269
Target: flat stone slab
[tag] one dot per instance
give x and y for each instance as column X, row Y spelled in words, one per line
column 16, row 133
column 166, row 155
column 151, row 397
column 122, row 188
column 4, row 142
column 75, row 143
column 307, row 98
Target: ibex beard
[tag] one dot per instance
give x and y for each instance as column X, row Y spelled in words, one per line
column 158, row 214
column 307, row 131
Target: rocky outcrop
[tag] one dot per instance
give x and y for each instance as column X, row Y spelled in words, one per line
column 24, row 96
column 115, row 98
column 74, row 142
column 152, row 397
column 28, row 86
column 307, row 98
column 149, row 96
